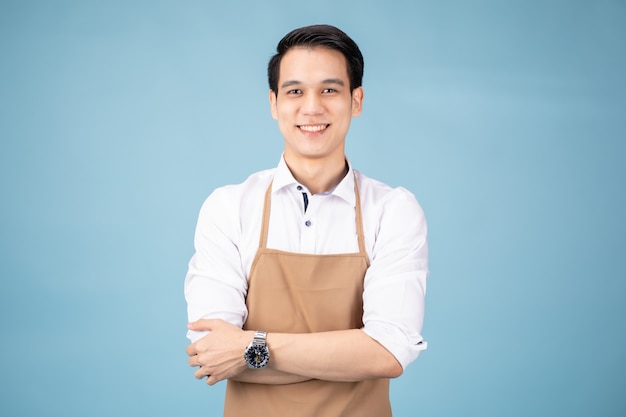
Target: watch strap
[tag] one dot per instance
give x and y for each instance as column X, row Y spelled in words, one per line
column 260, row 338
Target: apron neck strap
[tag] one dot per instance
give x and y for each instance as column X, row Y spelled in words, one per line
column 359, row 220
column 266, row 217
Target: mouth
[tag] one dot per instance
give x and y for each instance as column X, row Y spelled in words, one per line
column 313, row 128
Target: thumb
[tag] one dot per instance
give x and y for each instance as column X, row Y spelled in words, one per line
column 201, row 325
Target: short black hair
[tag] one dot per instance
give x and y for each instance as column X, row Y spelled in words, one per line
column 325, row 36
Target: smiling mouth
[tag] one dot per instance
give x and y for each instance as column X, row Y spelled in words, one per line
column 313, row 128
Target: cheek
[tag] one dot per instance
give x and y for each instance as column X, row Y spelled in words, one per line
column 280, row 111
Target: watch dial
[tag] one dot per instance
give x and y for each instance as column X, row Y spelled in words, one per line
column 257, row 357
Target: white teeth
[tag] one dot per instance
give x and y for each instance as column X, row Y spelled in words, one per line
column 315, row 128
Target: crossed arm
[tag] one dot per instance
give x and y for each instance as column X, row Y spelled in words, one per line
column 346, row 355
column 398, row 272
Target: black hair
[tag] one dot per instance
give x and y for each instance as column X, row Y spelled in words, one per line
column 324, row 36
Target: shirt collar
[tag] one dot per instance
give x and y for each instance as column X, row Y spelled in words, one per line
column 284, row 178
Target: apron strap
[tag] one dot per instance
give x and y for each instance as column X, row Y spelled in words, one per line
column 266, row 217
column 359, row 222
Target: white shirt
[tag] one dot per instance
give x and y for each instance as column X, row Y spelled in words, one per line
column 228, row 232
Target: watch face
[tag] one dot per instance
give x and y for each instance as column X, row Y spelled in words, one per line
column 257, row 356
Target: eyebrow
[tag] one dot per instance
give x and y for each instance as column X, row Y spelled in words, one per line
column 290, row 83
column 337, row 81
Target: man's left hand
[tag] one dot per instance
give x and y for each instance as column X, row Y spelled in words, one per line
column 219, row 354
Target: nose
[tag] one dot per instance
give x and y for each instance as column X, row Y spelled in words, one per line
column 312, row 104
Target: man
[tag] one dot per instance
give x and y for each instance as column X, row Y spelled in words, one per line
column 306, row 290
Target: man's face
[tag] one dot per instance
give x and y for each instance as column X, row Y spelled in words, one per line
column 314, row 105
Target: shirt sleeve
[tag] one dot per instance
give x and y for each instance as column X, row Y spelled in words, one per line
column 395, row 283
column 215, row 284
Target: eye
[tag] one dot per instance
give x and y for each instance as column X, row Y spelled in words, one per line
column 329, row 91
column 295, row 91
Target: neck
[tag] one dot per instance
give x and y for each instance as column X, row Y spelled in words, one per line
column 318, row 175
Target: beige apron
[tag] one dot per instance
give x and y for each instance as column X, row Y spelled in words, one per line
column 302, row 293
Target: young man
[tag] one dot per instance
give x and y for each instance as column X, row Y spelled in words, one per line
column 307, row 287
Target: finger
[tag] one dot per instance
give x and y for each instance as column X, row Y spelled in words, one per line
column 198, row 360
column 202, row 372
column 191, row 350
column 202, row 325
column 212, row 380
column 193, row 361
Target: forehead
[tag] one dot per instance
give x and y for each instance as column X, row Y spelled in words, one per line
column 312, row 65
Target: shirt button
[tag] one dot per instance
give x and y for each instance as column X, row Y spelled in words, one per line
column 299, row 188
column 307, row 223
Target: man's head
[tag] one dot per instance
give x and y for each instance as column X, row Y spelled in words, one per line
column 315, row 92
column 322, row 36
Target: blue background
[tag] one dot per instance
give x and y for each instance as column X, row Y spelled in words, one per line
column 506, row 119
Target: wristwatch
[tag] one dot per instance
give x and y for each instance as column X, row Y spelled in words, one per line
column 257, row 354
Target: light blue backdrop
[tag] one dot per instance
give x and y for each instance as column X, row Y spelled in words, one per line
column 506, row 119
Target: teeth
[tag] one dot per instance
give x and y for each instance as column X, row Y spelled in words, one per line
column 315, row 128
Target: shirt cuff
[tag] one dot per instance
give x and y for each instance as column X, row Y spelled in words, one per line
column 404, row 347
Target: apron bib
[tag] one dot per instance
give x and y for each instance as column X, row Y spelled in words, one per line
column 305, row 293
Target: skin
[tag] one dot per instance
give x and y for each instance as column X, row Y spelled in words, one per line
column 313, row 94
column 313, row 107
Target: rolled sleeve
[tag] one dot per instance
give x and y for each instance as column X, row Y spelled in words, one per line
column 215, row 284
column 395, row 283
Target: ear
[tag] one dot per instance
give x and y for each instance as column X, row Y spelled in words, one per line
column 273, row 105
column 357, row 101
